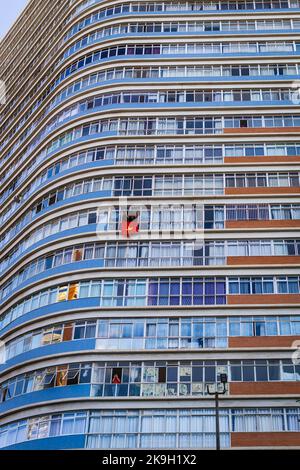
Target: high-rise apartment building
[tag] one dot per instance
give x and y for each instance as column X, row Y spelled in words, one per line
column 149, row 224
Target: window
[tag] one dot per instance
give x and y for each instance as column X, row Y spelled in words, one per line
column 162, row 375
column 116, row 376
column 73, row 291
column 49, row 262
column 77, row 254
column 62, row 294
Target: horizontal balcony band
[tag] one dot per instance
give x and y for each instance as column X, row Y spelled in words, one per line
column 111, row 85
column 103, row 405
column 231, row 105
column 255, row 34
column 90, row 67
column 244, row 347
column 87, row 351
column 92, row 8
column 238, row 440
column 64, row 238
column 92, row 230
column 84, row 306
column 45, row 396
column 77, row 393
column 86, row 25
column 191, row 55
column 107, row 201
column 113, row 168
column 153, row 136
column 200, row 79
column 234, row 162
column 230, row 264
column 29, row 205
column 213, row 15
column 51, row 350
column 94, row 265
column 49, row 310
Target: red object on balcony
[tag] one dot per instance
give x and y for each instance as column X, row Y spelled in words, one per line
column 130, row 226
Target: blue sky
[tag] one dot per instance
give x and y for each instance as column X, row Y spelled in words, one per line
column 9, row 12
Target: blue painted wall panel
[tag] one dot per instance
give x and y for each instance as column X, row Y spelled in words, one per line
column 51, row 394
column 51, row 443
column 49, row 350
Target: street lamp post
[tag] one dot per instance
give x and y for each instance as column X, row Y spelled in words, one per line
column 216, row 393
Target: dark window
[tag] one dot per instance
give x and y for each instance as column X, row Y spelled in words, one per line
column 49, row 262
column 162, row 375
column 197, row 374
column 79, row 332
column 245, row 71
column 209, row 217
column 90, row 330
column 92, row 218
column 172, row 374
column 49, row 380
column 52, row 199
column 280, row 70
column 248, row 373
column 100, row 155
column 210, row 374
column 72, row 376
column 85, row 131
column 236, row 373
column 262, row 372
column 19, row 387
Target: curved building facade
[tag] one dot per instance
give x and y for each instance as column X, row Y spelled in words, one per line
column 149, row 225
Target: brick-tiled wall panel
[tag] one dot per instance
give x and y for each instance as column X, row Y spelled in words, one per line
column 262, row 341
column 256, row 160
column 259, row 260
column 264, row 388
column 262, row 224
column 261, row 190
column 265, row 439
column 261, row 299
